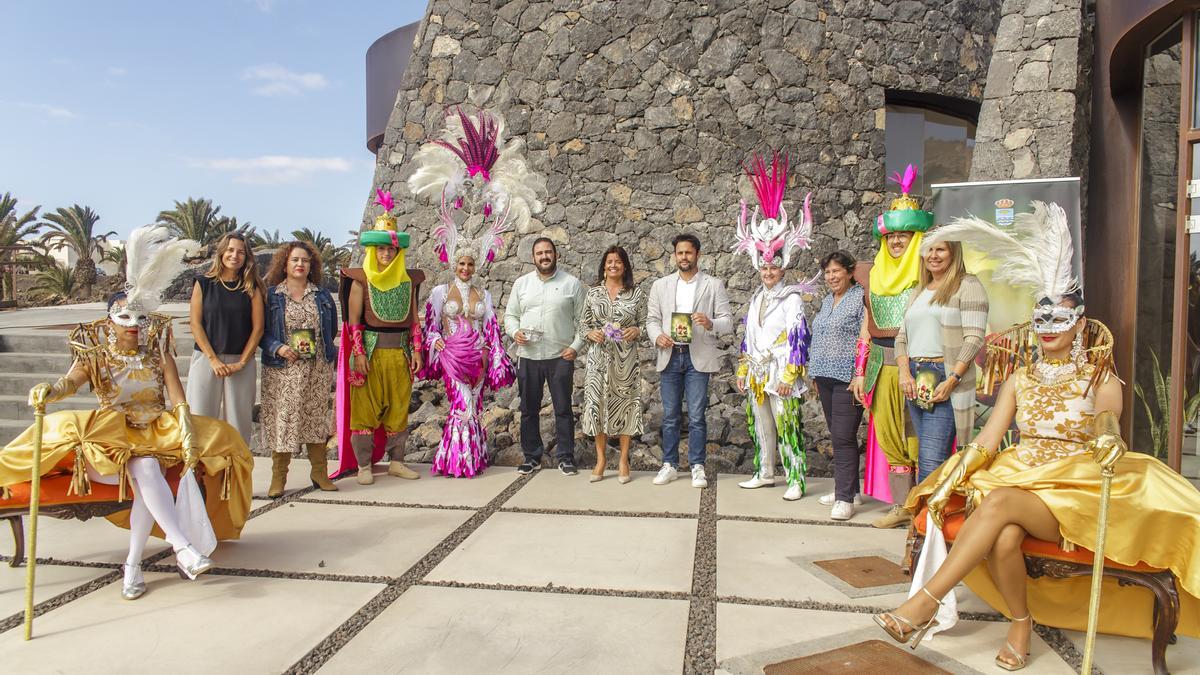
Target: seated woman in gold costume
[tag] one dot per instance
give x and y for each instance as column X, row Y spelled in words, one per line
column 1066, row 401
column 132, row 438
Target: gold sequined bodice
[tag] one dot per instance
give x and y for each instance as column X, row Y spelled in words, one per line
column 130, row 382
column 1055, row 420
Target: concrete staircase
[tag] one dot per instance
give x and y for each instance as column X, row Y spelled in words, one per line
column 29, row 356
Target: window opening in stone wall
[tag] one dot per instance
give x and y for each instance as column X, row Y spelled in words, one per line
column 936, row 141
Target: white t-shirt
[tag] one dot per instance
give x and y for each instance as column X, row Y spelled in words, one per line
column 923, row 327
column 685, row 295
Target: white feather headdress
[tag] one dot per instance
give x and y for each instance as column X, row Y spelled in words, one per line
column 153, row 259
column 1037, row 252
column 471, row 166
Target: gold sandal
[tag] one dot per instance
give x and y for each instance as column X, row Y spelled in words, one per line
column 914, row 632
column 1022, row 661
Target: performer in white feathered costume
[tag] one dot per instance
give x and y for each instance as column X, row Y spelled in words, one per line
column 775, row 349
column 128, row 358
column 483, row 189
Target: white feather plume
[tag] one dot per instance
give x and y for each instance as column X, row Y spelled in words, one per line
column 437, row 168
column 153, row 259
column 1037, row 253
column 1048, row 236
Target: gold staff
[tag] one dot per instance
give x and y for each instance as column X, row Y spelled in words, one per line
column 1107, row 448
column 35, row 494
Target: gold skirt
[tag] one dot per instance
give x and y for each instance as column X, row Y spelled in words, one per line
column 75, row 439
column 1153, row 518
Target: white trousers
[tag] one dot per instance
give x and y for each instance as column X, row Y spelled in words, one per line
column 225, row 398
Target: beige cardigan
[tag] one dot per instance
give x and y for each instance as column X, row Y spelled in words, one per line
column 964, row 330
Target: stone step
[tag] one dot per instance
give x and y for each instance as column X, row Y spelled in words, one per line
column 22, row 382
column 10, row 429
column 57, row 362
column 16, row 406
column 55, row 341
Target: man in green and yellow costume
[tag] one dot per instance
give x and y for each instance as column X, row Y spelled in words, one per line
column 891, row 444
column 379, row 352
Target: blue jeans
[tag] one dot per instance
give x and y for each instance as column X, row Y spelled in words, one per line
column 679, row 379
column 935, row 428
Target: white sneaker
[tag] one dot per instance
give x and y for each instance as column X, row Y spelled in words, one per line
column 666, row 474
column 829, row 499
column 841, row 511
column 793, row 493
column 757, row 481
column 699, row 480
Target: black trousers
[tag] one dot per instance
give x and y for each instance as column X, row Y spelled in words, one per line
column 842, row 415
column 558, row 374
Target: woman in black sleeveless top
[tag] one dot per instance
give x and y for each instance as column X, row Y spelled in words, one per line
column 227, row 323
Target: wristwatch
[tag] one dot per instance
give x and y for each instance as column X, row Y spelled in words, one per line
column 955, row 375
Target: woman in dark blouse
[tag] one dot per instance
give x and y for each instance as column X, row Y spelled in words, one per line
column 831, row 366
column 227, row 324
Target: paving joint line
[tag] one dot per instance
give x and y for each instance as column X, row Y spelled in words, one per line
column 700, row 645
column 598, row 512
column 792, row 521
column 390, row 505
column 564, row 590
column 319, row 655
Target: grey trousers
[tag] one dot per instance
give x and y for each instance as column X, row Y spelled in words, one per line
column 225, row 398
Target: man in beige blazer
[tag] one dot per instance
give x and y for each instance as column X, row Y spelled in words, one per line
column 687, row 312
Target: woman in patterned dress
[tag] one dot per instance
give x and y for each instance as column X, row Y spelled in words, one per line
column 463, row 338
column 298, row 356
column 613, row 314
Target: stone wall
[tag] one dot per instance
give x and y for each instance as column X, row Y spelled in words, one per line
column 1036, row 108
column 640, row 113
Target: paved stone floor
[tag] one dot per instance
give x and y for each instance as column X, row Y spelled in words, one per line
column 506, row 574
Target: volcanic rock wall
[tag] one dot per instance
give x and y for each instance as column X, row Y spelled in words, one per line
column 640, row 114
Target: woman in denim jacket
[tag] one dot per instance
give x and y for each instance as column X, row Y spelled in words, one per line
column 298, row 364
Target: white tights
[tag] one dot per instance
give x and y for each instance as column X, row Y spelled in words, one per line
column 152, row 502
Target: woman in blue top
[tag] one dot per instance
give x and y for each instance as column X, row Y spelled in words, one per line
column 298, row 363
column 831, row 366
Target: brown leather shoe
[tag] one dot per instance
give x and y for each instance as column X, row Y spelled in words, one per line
column 399, row 470
column 898, row 516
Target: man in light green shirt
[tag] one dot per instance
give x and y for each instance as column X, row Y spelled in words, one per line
column 541, row 317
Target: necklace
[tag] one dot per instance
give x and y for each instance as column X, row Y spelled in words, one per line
column 132, row 358
column 237, row 284
column 1056, row 371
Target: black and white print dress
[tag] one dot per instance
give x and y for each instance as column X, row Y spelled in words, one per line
column 612, row 388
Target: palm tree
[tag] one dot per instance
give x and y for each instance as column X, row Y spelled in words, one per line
column 267, row 239
column 199, row 220
column 332, row 257
column 55, row 282
column 74, row 228
column 117, row 256
column 13, row 228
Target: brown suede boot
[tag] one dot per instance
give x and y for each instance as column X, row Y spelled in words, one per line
column 320, row 467
column 279, row 468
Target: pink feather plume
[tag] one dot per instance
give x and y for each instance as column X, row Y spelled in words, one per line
column 906, row 181
column 769, row 186
column 385, row 200
column 478, row 150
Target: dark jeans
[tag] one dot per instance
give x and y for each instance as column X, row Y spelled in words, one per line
column 842, row 415
column 558, row 374
column 678, row 380
column 935, row 428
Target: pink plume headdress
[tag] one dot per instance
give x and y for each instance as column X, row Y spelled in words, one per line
column 771, row 240
column 480, row 176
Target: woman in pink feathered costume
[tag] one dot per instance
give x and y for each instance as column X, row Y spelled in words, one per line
column 462, row 337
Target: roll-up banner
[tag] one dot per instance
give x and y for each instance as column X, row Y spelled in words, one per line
column 999, row 202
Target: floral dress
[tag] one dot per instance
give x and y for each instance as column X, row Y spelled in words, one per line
column 295, row 398
column 612, row 386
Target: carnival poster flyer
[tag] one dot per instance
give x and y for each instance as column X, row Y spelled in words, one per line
column 681, row 328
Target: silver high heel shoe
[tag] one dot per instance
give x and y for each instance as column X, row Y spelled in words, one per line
column 196, row 564
column 132, row 590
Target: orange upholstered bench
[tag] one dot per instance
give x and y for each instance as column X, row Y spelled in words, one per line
column 54, row 502
column 1045, row 558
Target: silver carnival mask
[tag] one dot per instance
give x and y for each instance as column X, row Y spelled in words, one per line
column 1051, row 319
column 128, row 316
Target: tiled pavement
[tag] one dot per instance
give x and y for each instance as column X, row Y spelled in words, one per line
column 505, row 574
